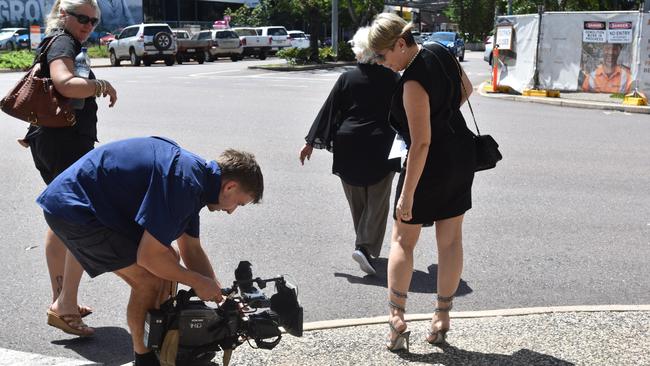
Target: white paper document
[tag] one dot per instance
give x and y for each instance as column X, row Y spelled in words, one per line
column 398, row 150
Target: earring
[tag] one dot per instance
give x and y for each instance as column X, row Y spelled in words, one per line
column 402, row 51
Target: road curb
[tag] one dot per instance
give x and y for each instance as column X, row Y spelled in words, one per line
column 302, row 67
column 343, row 323
column 566, row 102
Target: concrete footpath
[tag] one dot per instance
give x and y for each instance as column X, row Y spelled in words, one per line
column 571, row 99
column 583, row 335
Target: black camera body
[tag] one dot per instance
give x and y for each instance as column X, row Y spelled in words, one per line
column 246, row 314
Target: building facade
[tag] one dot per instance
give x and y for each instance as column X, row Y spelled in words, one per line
column 120, row 13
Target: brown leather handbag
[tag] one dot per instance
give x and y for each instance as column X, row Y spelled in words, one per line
column 35, row 100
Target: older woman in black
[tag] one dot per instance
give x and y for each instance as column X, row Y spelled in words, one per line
column 435, row 184
column 353, row 124
column 54, row 149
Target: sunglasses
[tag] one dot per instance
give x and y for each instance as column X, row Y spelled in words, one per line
column 379, row 57
column 84, row 19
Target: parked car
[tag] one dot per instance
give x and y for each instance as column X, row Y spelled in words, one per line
column 146, row 43
column 109, row 37
column 489, row 45
column 224, row 43
column 96, row 36
column 280, row 37
column 9, row 37
column 190, row 47
column 252, row 44
column 23, row 41
column 451, row 40
column 298, row 39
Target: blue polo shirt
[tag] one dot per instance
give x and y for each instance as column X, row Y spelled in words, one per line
column 136, row 184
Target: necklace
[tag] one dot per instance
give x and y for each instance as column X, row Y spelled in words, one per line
column 413, row 59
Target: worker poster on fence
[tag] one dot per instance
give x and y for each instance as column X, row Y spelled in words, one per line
column 605, row 65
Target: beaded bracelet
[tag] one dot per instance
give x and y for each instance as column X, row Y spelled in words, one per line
column 98, row 88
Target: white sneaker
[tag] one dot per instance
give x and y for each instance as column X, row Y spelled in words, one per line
column 360, row 257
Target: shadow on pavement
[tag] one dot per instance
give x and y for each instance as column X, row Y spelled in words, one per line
column 452, row 356
column 421, row 282
column 110, row 346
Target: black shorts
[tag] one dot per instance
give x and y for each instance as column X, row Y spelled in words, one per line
column 53, row 152
column 97, row 248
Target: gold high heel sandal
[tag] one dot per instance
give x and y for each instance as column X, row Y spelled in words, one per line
column 440, row 336
column 401, row 342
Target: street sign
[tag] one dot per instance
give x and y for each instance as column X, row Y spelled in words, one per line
column 34, row 36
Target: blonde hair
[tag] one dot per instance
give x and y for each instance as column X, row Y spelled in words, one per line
column 56, row 21
column 386, row 29
column 360, row 47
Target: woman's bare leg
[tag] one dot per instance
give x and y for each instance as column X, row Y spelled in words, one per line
column 449, row 237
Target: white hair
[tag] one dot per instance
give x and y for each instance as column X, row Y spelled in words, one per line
column 54, row 19
column 360, row 46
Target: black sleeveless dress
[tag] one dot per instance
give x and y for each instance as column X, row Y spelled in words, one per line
column 445, row 187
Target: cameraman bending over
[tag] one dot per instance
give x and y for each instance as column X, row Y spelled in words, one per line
column 119, row 208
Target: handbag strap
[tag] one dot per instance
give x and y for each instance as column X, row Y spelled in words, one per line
column 460, row 74
column 43, row 52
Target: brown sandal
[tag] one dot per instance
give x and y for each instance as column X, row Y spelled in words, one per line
column 70, row 323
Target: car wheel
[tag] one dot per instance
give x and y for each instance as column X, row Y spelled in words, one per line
column 200, row 58
column 262, row 55
column 179, row 59
column 169, row 61
column 146, row 61
column 234, row 58
column 461, row 58
column 135, row 59
column 114, row 60
column 10, row 46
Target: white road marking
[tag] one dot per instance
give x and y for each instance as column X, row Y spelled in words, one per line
column 11, row 358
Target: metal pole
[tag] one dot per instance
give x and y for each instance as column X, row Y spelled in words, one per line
column 509, row 7
column 540, row 12
column 335, row 27
column 178, row 11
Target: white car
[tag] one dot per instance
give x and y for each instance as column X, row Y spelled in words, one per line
column 279, row 36
column 9, row 38
column 298, row 39
column 146, row 43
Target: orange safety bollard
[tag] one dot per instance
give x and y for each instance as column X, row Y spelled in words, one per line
column 495, row 68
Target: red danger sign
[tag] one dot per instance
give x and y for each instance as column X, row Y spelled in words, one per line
column 595, row 25
column 620, row 25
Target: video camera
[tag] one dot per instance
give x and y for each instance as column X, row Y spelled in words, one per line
column 246, row 314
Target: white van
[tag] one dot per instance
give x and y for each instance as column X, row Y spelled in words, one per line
column 279, row 36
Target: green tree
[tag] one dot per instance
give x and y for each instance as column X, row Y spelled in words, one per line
column 474, row 17
column 530, row 6
column 244, row 16
column 315, row 11
column 361, row 12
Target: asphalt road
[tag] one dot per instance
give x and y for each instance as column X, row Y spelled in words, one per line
column 563, row 220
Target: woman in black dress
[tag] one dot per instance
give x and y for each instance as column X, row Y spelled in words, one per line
column 436, row 181
column 353, row 124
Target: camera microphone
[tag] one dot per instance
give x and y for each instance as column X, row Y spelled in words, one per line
column 244, row 276
column 244, row 279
